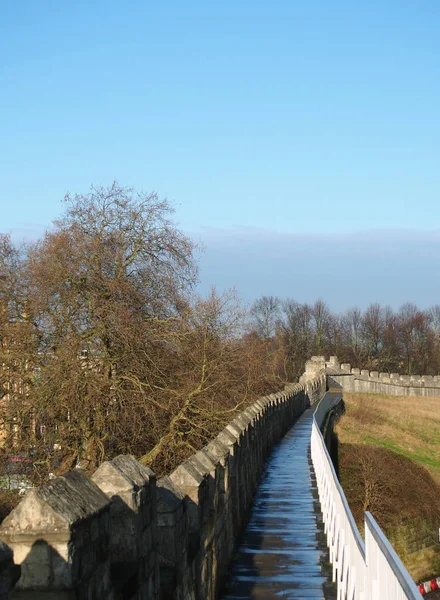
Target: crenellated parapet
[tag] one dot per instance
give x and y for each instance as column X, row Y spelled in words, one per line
column 121, row 533
column 375, row 382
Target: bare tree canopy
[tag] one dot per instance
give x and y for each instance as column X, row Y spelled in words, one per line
column 106, row 348
column 265, row 314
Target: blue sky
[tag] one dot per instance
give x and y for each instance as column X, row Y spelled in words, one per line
column 277, row 128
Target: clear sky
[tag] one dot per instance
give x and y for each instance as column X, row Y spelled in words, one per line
column 277, row 128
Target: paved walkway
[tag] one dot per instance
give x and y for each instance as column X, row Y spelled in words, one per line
column 282, row 553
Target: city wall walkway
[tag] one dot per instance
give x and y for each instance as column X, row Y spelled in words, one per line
column 283, row 553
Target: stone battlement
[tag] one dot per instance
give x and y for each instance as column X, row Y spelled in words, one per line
column 374, row 382
column 121, row 533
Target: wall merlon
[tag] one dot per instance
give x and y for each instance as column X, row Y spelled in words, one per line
column 123, row 475
column 273, row 399
column 234, row 430
column 61, row 502
column 242, row 421
column 229, row 439
column 206, row 461
column 133, row 528
column 259, row 405
column 292, row 388
column 218, row 451
column 333, row 362
column 188, row 475
column 48, row 533
column 253, row 413
column 386, row 383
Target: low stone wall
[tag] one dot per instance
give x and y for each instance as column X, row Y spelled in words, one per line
column 372, row 382
column 122, row 535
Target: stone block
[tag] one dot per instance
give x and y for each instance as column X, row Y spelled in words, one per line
column 49, row 532
column 126, row 478
column 219, row 451
column 131, row 488
column 206, row 461
column 193, row 482
column 235, row 430
column 228, row 439
column 333, row 362
column 171, row 520
column 259, row 405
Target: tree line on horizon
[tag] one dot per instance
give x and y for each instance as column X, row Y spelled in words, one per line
column 379, row 338
column 106, row 349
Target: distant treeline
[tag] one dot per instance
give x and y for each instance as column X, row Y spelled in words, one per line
column 379, row 338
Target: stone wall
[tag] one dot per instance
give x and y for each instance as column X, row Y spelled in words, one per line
column 120, row 535
column 373, row 382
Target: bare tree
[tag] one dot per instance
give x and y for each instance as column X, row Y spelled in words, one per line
column 352, row 330
column 110, row 350
column 321, row 320
column 17, row 349
column 265, row 313
column 413, row 337
column 373, row 324
column 219, row 373
column 106, row 287
column 296, row 334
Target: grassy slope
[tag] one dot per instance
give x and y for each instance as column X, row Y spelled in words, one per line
column 407, row 426
column 401, row 436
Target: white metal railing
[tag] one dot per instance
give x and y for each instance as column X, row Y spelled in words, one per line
column 362, row 571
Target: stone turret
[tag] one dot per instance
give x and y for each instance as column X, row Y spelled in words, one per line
column 314, row 367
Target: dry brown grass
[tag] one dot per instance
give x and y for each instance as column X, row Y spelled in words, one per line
column 389, row 460
column 424, row 564
column 394, row 488
column 407, row 426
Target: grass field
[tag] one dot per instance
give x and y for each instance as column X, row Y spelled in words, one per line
column 407, row 426
column 389, row 464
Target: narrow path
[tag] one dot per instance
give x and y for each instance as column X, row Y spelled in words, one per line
column 283, row 553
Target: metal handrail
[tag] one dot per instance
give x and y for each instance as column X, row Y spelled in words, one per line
column 362, row 571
